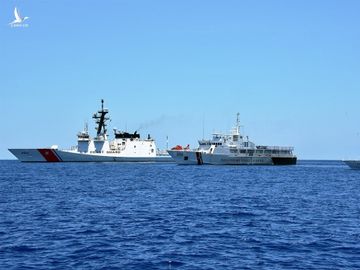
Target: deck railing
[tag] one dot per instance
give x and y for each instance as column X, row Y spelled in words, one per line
column 279, row 148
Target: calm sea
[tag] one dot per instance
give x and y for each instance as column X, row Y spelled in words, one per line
column 165, row 216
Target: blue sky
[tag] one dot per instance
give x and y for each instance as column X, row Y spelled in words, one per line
column 291, row 68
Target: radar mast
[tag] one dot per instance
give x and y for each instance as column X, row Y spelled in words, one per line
column 238, row 123
column 100, row 120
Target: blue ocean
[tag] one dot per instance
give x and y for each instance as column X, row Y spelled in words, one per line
column 167, row 216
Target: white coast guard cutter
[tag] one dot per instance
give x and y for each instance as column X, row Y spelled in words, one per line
column 233, row 149
column 125, row 147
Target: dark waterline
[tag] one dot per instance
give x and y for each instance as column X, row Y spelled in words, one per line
column 164, row 216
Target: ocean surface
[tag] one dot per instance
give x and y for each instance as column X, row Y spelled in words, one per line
column 166, row 216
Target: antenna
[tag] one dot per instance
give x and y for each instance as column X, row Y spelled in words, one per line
column 203, row 128
column 238, row 123
column 167, row 142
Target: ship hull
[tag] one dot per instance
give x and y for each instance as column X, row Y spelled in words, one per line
column 199, row 158
column 353, row 164
column 284, row 160
column 55, row 155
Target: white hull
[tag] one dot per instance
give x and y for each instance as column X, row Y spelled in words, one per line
column 186, row 157
column 353, row 164
column 55, row 155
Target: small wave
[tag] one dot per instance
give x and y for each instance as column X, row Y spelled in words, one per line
column 23, row 248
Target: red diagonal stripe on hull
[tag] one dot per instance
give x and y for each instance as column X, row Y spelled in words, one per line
column 49, row 155
column 57, row 155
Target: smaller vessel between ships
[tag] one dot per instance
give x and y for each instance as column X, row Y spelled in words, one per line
column 125, row 147
column 233, row 149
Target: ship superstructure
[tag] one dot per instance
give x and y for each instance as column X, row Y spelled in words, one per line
column 125, row 147
column 233, row 149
